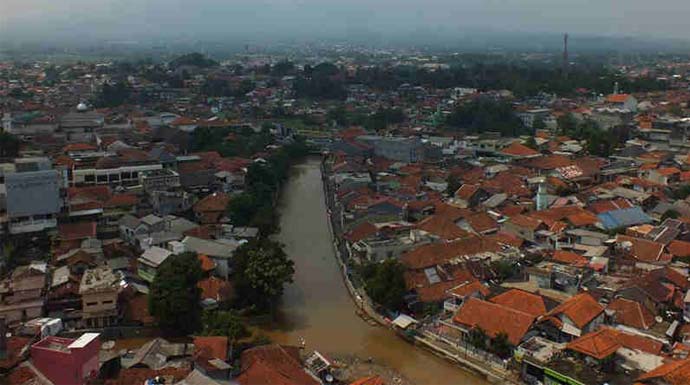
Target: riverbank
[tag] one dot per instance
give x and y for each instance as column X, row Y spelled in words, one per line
column 366, row 308
column 317, row 307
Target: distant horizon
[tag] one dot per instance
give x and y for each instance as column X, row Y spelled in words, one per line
column 74, row 22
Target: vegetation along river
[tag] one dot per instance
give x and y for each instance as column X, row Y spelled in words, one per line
column 317, row 306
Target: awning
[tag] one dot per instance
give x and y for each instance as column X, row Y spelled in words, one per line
column 403, row 321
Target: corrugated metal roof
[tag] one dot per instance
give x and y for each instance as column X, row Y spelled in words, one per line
column 623, row 218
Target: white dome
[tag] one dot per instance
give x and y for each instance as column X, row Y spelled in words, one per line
column 82, row 107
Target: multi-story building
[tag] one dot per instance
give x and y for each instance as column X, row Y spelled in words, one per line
column 407, row 150
column 159, row 180
column 66, row 360
column 99, row 289
column 32, row 195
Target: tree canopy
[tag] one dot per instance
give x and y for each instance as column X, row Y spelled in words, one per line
column 174, row 296
column 321, row 82
column 262, row 269
column 224, row 323
column 484, row 114
column 113, row 95
column 9, row 145
column 193, row 59
column 385, row 283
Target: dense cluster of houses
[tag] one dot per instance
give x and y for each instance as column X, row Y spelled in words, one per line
column 582, row 262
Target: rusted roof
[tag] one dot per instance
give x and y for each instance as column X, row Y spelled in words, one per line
column 273, row 364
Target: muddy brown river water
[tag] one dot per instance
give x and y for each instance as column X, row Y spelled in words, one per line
column 317, row 306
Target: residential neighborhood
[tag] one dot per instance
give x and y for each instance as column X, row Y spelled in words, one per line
column 192, row 221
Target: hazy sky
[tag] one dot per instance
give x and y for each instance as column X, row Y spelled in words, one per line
column 136, row 19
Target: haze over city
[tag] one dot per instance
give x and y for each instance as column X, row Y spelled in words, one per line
column 344, row 192
column 216, row 19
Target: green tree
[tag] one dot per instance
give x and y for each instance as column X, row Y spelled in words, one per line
column 113, row 95
column 174, row 298
column 454, row 184
column 224, row 323
column 262, row 269
column 567, row 124
column 682, row 192
column 9, row 145
column 531, row 143
column 385, row 283
column 671, row 213
column 484, row 114
column 503, row 269
column 477, row 338
column 242, row 209
column 501, row 345
column 193, row 59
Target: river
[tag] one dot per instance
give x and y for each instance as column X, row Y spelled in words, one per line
column 317, row 306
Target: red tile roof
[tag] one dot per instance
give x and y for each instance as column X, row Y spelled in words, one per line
column 569, row 258
column 212, row 347
column 494, row 319
column 599, row 344
column 442, row 227
column 139, row 375
column 526, row 302
column 273, row 364
column 215, row 288
column 617, row 98
column 76, row 231
column 373, row 380
column 17, row 348
column 507, row 239
column 79, row 147
column 672, row 373
column 631, row 313
column 207, row 263
column 643, row 249
column 23, row 375
column 526, row 221
column 481, row 222
column 581, row 309
column 213, row 202
column 517, row 149
column 122, row 200
column 438, row 253
column 679, row 248
column 468, row 288
column 466, row 191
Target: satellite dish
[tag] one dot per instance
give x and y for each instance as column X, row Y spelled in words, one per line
column 658, row 319
column 329, row 378
column 81, row 107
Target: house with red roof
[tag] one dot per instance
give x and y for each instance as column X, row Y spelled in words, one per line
column 211, row 208
column 608, row 347
column 493, row 319
column 273, row 364
column 573, row 318
column 519, row 151
column 622, row 101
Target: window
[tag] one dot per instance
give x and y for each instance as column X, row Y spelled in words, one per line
column 91, row 303
column 89, row 178
column 102, row 178
column 107, row 302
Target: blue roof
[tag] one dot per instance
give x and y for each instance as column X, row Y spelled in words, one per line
column 623, row 218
